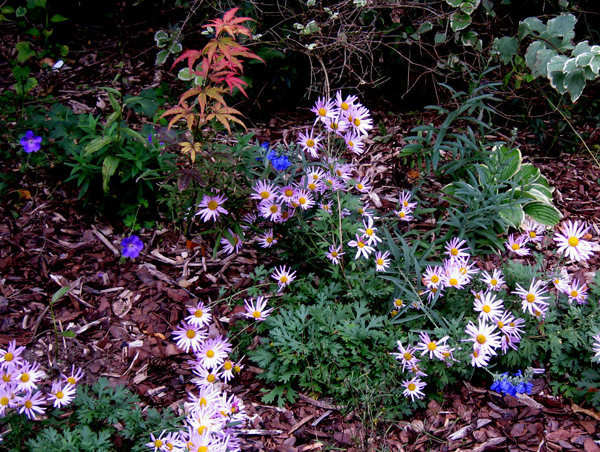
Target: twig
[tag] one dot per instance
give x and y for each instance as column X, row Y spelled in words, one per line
column 104, row 240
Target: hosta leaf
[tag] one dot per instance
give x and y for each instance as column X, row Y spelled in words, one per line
column 542, row 213
column 513, row 214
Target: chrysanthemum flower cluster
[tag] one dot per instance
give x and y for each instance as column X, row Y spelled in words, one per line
column 497, row 329
column 346, row 118
column 210, row 410
column 19, row 381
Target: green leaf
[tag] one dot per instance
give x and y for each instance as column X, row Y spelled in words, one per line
column 541, row 65
column 24, row 51
column 424, row 27
column 469, row 38
column 60, row 293
column 454, row 3
column 563, row 25
column 595, row 64
column 21, row 11
column 109, row 166
column 469, row 6
column 7, row 10
column 67, row 333
column 440, row 37
column 506, row 47
column 513, row 214
column 58, row 18
column 542, row 213
column 161, row 57
column 531, row 24
column 575, row 82
column 97, row 144
column 459, row 21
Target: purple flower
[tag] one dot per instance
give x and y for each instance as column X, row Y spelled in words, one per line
column 30, row 142
column 132, row 246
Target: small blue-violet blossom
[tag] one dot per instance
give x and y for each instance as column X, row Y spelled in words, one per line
column 132, row 246
column 279, row 162
column 513, row 387
column 30, row 142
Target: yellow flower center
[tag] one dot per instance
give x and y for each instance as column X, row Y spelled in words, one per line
column 158, row 443
column 360, row 186
column 228, row 365
column 322, row 112
column 284, row 215
column 500, row 325
column 361, row 210
column 532, row 234
column 361, row 245
column 210, row 378
column 351, row 145
column 201, row 429
column 312, row 186
column 191, row 334
column 573, row 241
column 493, row 282
column 213, row 205
column 264, row 194
column 302, row 200
column 4, row 401
column 59, row 395
column 269, row 240
column 486, row 309
column 407, row 356
column 8, row 357
column 28, row 404
column 435, row 279
column 25, row 377
column 203, row 401
column 476, row 354
column 6, row 378
column 210, row 353
column 203, row 449
column 273, row 208
column 481, row 339
column 405, row 203
column 432, row 346
column 530, row 298
column 574, row 293
column 398, row 302
column 198, row 314
column 412, row 387
column 283, row 279
column 334, row 125
column 334, row 254
column 369, row 232
column 393, row 313
column 237, row 369
column 515, row 246
column 356, row 122
column 401, row 214
column 379, row 261
column 454, row 251
column 453, row 281
column 344, row 106
column 310, row 143
column 289, row 192
column 71, row 380
column 256, row 314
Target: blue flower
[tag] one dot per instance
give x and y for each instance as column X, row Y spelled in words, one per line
column 132, row 246
column 30, row 142
column 265, row 146
column 279, row 162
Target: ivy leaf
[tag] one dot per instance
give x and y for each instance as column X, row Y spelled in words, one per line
column 575, row 82
column 459, row 21
column 507, row 47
